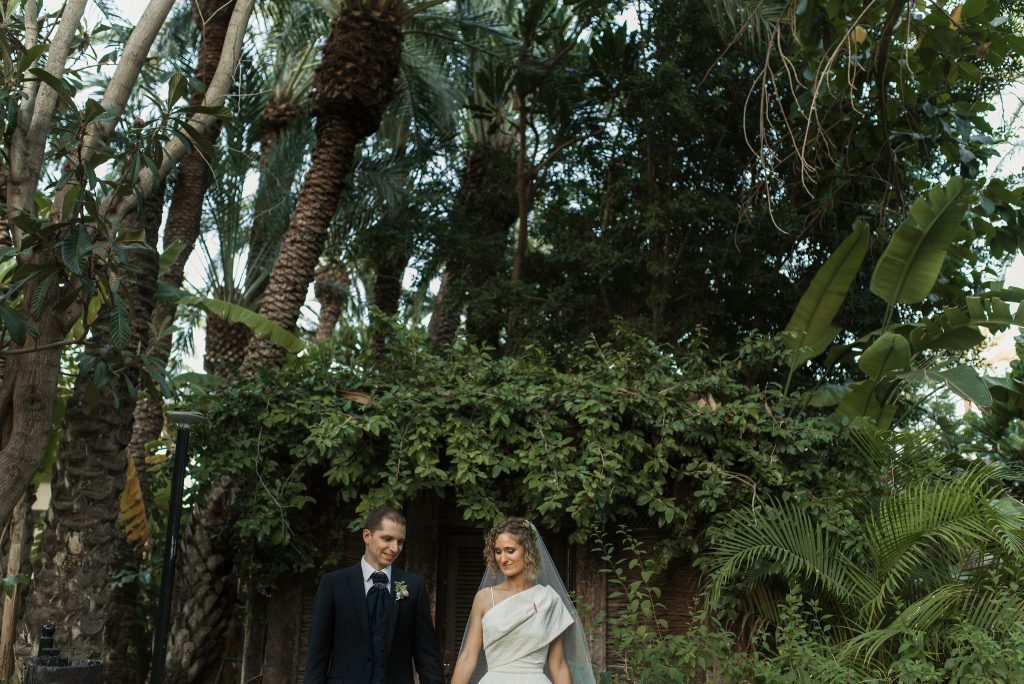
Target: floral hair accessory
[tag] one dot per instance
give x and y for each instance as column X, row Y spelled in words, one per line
column 530, row 526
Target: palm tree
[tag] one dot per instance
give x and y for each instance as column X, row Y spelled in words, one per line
column 354, row 84
column 508, row 141
column 932, row 553
column 82, row 545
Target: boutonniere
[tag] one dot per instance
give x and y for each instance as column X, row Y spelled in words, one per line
column 401, row 591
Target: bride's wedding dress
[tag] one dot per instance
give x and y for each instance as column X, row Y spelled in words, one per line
column 517, row 633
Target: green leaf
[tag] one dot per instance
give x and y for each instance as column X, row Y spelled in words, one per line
column 959, row 329
column 31, row 55
column 220, row 112
column 889, row 352
column 965, row 382
column 170, row 255
column 259, row 324
column 11, row 582
column 15, row 323
column 177, row 87
column 120, row 321
column 811, row 323
column 907, row 270
column 973, row 8
column 75, row 247
column 59, row 86
column 67, row 207
column 827, row 395
column 200, row 141
column 861, row 401
column 39, row 295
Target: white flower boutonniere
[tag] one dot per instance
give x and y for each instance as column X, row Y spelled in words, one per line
column 401, row 591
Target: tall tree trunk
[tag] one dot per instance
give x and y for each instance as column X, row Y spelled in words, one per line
column 387, row 292
column 204, row 591
column 183, row 221
column 331, row 288
column 82, row 546
column 354, row 85
column 446, row 314
column 485, row 208
column 17, row 555
column 225, row 346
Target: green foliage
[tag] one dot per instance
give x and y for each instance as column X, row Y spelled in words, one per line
column 907, row 270
column 927, row 560
column 612, row 430
column 811, row 324
column 11, row 582
column 920, row 350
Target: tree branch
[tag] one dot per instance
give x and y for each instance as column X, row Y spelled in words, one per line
column 126, row 74
column 216, row 93
column 550, row 156
column 41, row 348
column 12, row 234
column 27, row 150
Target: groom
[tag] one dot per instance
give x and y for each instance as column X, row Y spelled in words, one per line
column 371, row 622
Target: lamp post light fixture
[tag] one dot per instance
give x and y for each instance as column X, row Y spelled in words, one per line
column 184, row 420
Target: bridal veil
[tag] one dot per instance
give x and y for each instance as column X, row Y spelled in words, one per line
column 577, row 654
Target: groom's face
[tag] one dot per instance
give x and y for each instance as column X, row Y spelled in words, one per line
column 384, row 544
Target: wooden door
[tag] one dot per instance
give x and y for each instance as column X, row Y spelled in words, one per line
column 463, row 568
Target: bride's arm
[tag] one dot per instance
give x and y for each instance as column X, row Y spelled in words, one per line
column 557, row 666
column 466, row 663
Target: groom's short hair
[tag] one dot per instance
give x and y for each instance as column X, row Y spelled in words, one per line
column 375, row 519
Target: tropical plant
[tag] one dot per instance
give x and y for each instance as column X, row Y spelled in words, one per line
column 934, row 553
column 917, row 349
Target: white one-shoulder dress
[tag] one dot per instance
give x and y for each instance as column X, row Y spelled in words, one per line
column 517, row 633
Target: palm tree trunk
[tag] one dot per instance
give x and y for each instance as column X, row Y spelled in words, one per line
column 82, row 546
column 306, row 235
column 225, row 346
column 446, row 313
column 332, row 286
column 387, row 292
column 204, row 591
column 354, row 85
column 485, row 208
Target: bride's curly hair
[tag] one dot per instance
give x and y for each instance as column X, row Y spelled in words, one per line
column 525, row 534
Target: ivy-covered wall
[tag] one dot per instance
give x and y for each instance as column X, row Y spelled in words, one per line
column 617, row 430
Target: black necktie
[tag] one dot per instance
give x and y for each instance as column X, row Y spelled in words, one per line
column 377, row 597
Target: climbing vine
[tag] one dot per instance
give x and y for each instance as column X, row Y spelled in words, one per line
column 619, row 429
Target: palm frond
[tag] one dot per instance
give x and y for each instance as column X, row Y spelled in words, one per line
column 749, row 21
column 917, row 618
column 791, row 541
column 938, row 524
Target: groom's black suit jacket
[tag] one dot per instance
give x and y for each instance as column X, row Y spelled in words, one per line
column 339, row 638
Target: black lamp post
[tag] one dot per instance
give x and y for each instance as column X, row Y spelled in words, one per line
column 184, row 420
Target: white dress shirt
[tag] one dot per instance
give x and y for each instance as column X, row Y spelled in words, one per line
column 368, row 570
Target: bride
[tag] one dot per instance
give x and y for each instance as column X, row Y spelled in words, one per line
column 522, row 617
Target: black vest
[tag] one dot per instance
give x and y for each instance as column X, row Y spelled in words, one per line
column 379, row 651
